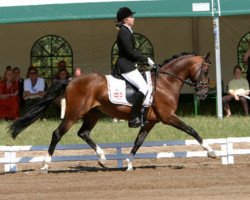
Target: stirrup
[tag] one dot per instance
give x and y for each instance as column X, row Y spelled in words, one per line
column 134, row 123
column 144, row 122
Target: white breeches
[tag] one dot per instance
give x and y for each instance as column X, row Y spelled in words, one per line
column 136, row 79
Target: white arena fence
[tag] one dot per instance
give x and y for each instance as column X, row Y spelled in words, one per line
column 226, row 152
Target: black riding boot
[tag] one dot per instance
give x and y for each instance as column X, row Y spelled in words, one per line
column 135, row 115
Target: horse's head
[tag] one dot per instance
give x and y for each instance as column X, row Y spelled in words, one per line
column 189, row 66
column 199, row 76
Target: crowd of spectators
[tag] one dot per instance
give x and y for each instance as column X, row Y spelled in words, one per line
column 18, row 94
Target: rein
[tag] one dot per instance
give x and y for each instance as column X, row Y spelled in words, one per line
column 188, row 82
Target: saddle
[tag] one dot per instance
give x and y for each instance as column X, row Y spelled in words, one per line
column 122, row 92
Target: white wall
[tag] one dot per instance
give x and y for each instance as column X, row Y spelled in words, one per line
column 92, row 40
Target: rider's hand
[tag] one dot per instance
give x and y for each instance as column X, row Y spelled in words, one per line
column 151, row 62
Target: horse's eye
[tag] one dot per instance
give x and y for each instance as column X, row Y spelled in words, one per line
column 206, row 72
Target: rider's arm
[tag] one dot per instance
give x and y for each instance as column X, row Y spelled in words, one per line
column 125, row 38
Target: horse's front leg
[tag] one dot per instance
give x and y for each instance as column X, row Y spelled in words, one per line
column 174, row 121
column 137, row 144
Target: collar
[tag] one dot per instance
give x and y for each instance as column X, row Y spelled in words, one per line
column 128, row 27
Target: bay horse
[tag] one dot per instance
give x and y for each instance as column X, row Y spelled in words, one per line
column 87, row 97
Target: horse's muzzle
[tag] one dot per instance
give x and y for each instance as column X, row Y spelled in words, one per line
column 202, row 93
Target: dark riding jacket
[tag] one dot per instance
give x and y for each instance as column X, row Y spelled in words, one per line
column 128, row 55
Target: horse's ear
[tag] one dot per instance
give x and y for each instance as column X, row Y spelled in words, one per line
column 206, row 56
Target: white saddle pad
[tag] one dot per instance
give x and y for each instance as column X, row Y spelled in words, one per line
column 117, row 91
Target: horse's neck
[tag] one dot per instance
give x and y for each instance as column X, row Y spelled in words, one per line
column 179, row 68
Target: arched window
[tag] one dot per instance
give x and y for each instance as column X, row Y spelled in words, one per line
column 142, row 44
column 242, row 48
column 47, row 52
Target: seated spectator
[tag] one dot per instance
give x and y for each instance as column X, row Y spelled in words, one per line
column 8, row 68
column 77, row 72
column 9, row 106
column 34, row 87
column 63, row 77
column 61, row 66
column 20, row 81
column 238, row 88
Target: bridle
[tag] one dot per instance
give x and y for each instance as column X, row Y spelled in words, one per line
column 189, row 82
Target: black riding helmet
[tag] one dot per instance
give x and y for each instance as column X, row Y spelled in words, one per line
column 123, row 13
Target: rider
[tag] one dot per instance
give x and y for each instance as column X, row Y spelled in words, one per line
column 127, row 62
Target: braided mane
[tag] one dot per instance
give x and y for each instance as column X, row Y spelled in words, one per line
column 177, row 56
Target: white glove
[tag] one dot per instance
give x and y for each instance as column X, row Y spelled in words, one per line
column 150, row 62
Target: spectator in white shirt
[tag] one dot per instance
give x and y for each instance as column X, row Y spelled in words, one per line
column 34, row 87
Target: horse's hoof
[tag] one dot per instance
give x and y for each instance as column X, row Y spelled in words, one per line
column 102, row 161
column 102, row 157
column 45, row 168
column 130, row 168
column 211, row 154
column 130, row 165
column 102, row 164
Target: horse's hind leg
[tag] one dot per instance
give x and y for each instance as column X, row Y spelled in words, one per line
column 90, row 120
column 174, row 121
column 56, row 137
column 144, row 131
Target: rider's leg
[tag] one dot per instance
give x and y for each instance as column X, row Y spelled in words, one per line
column 135, row 115
column 136, row 79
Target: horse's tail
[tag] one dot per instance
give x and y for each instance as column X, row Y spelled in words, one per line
column 38, row 109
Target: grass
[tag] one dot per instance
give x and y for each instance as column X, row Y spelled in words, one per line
column 107, row 131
